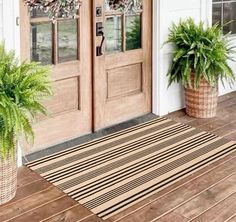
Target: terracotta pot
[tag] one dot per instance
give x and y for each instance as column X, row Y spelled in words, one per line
column 8, row 178
column 201, row 102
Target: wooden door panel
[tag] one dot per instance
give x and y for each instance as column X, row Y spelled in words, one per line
column 66, row 97
column 61, row 71
column 124, row 81
column 122, row 75
column 59, row 128
column 66, row 46
column 124, row 59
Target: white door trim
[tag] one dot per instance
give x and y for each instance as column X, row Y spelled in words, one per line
column 11, row 32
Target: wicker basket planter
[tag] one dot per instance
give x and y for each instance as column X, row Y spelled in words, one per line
column 8, row 178
column 201, row 102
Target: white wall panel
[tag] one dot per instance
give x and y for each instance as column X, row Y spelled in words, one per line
column 1, row 20
column 10, row 30
column 169, row 99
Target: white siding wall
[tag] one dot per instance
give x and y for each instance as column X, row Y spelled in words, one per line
column 1, row 20
column 227, row 88
column 9, row 31
column 165, row 13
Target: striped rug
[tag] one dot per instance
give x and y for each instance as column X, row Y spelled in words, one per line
column 110, row 174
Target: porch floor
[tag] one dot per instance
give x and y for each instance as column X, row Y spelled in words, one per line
column 207, row 195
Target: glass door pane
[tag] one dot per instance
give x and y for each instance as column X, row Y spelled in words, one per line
column 41, row 42
column 67, row 40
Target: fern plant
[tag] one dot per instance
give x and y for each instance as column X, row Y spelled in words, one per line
column 201, row 51
column 22, row 88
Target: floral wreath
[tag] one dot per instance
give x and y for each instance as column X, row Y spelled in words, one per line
column 55, row 8
column 125, row 5
column 69, row 8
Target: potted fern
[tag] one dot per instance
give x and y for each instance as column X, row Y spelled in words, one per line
column 22, row 87
column 200, row 59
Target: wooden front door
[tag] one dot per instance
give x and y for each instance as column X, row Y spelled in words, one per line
column 123, row 67
column 66, row 45
column 94, row 86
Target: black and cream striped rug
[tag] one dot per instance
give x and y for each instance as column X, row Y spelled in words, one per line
column 110, row 174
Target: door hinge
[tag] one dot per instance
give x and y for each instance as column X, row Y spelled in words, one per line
column 18, row 21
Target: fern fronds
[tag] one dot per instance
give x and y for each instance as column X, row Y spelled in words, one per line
column 202, row 50
column 23, row 86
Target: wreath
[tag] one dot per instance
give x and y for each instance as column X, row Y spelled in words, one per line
column 55, row 8
column 69, row 8
column 125, row 5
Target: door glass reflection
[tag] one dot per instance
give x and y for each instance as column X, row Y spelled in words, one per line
column 113, row 34
column 67, row 40
column 133, row 32
column 41, row 42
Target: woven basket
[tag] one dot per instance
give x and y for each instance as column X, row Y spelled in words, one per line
column 8, row 178
column 201, row 102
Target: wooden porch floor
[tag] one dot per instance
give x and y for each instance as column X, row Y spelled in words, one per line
column 206, row 196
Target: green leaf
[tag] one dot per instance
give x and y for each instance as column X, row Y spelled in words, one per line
column 23, row 87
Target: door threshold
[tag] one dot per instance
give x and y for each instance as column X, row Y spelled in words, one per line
column 86, row 138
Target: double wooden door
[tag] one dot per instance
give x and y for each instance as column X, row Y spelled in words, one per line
column 101, row 67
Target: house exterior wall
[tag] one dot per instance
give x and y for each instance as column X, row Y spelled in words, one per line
column 9, row 30
column 1, row 19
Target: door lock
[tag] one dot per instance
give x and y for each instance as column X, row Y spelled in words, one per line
column 99, row 29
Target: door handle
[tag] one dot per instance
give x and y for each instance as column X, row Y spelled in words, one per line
column 99, row 32
column 99, row 48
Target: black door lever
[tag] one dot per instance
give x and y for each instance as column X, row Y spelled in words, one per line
column 99, row 48
column 99, row 32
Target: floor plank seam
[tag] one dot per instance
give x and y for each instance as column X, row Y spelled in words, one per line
column 230, row 218
column 205, row 173
column 27, row 184
column 213, row 185
column 217, row 128
column 85, row 218
column 223, row 127
column 214, row 205
column 204, row 124
column 230, row 133
column 171, row 221
column 39, row 206
column 54, row 215
column 215, row 120
column 14, row 202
